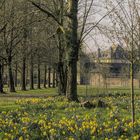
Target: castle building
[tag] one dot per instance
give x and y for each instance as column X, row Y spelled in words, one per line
column 107, row 68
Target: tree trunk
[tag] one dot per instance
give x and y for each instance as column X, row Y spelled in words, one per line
column 72, row 44
column 53, row 83
column 62, row 67
column 27, row 72
column 11, row 80
column 49, row 77
column 16, row 72
column 23, row 75
column 31, row 73
column 72, row 81
column 62, row 78
column 45, row 75
column 132, row 92
column 38, row 79
column 56, row 79
column 9, row 51
column 1, row 79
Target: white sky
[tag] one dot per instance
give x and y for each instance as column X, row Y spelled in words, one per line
column 95, row 39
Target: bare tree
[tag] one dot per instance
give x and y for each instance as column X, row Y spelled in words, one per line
column 11, row 37
column 73, row 41
column 125, row 28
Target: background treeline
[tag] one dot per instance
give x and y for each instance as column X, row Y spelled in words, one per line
column 28, row 50
column 40, row 43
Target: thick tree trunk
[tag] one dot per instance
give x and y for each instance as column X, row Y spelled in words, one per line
column 11, row 80
column 1, row 80
column 38, row 76
column 23, row 75
column 49, row 77
column 72, row 44
column 72, row 81
column 62, row 67
column 45, row 75
column 62, row 78
column 31, row 73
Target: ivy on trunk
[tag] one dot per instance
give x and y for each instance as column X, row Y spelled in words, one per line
column 72, row 45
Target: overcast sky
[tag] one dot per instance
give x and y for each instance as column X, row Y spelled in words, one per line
column 96, row 39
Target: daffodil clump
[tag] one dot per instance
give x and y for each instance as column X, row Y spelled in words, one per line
column 54, row 118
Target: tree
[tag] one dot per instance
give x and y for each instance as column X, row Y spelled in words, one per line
column 11, row 37
column 24, row 46
column 1, row 77
column 72, row 46
column 72, row 40
column 125, row 28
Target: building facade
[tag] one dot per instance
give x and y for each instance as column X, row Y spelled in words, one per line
column 108, row 68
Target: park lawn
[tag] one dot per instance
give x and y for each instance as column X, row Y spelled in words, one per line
column 7, row 101
column 82, row 89
column 40, row 114
column 53, row 117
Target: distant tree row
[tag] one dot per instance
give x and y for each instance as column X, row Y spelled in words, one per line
column 44, row 32
column 25, row 47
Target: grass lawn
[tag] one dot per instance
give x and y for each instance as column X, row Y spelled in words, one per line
column 39, row 114
column 7, row 101
column 54, row 118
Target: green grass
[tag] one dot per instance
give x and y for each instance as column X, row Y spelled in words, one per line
column 7, row 101
column 90, row 90
column 35, row 91
column 61, row 119
column 35, row 105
